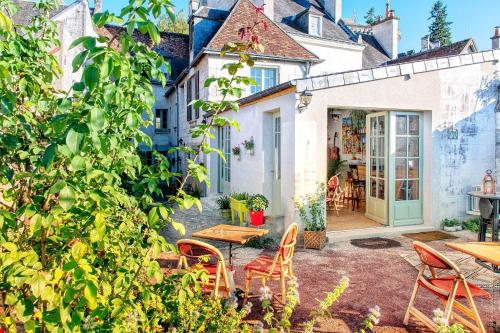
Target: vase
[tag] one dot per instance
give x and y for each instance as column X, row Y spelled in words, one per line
column 256, row 218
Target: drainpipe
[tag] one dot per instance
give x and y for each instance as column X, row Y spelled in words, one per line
column 177, row 126
column 497, row 132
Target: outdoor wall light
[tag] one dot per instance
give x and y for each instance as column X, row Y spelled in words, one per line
column 305, row 100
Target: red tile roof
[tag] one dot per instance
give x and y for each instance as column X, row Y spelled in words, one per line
column 276, row 42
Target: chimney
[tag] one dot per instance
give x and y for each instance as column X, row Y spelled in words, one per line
column 97, row 6
column 495, row 40
column 334, row 8
column 386, row 32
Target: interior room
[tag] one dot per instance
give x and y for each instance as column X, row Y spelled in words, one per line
column 347, row 171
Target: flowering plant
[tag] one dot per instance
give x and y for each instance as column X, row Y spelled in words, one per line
column 257, row 202
column 236, row 151
column 249, row 144
column 312, row 209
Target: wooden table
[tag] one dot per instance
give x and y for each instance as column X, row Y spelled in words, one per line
column 230, row 234
column 483, row 251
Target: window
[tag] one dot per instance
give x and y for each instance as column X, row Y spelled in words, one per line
column 407, row 157
column 161, row 122
column 264, row 77
column 315, row 25
column 227, row 153
column 193, row 93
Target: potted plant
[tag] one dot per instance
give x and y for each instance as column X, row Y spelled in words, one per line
column 458, row 225
column 449, row 225
column 239, row 204
column 312, row 213
column 256, row 205
column 249, row 146
column 224, row 204
column 237, row 152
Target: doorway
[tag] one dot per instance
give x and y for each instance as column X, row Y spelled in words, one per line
column 376, row 159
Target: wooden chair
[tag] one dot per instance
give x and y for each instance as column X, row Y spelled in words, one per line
column 195, row 254
column 448, row 288
column 278, row 268
column 335, row 195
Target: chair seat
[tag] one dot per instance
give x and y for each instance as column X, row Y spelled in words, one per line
column 446, row 283
column 262, row 264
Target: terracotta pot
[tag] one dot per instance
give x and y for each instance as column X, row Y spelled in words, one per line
column 314, row 239
column 256, row 218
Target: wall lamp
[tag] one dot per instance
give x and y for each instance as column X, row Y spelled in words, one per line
column 304, row 100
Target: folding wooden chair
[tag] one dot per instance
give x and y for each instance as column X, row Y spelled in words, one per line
column 449, row 289
column 195, row 254
column 278, row 268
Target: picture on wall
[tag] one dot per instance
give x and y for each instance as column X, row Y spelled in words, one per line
column 352, row 141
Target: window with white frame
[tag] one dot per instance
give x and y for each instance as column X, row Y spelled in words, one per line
column 161, row 119
column 315, row 25
column 265, row 77
column 227, row 153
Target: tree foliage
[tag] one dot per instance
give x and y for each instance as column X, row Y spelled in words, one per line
column 440, row 28
column 371, row 17
column 176, row 24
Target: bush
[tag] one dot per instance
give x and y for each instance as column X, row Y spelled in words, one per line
column 223, row 202
column 472, row 225
column 312, row 209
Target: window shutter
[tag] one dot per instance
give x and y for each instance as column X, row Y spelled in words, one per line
column 197, row 92
column 188, row 100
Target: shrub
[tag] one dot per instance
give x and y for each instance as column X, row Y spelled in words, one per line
column 472, row 225
column 223, row 202
column 257, row 202
column 312, row 209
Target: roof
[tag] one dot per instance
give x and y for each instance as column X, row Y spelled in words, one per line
column 461, row 47
column 173, row 46
column 373, row 54
column 276, row 42
column 286, row 11
column 26, row 11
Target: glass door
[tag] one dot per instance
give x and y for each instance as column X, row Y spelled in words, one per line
column 276, row 201
column 406, row 169
column 224, row 168
column 376, row 198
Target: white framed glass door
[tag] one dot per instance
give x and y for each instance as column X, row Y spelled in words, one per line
column 224, row 168
column 406, row 163
column 276, row 201
column 377, row 158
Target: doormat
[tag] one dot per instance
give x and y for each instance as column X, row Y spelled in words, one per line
column 375, row 243
column 473, row 272
column 430, row 236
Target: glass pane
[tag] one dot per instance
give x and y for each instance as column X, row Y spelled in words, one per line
column 413, row 166
column 400, row 168
column 373, row 167
column 381, row 168
column 401, row 147
column 381, row 189
column 401, row 125
column 381, row 125
column 373, row 187
column 413, row 190
column 413, row 147
column 400, row 190
column 373, row 126
column 373, row 145
column 381, row 147
column 413, row 125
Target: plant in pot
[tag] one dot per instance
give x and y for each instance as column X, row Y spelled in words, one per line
column 312, row 213
column 239, row 204
column 237, row 152
column 458, row 225
column 256, row 205
column 224, row 204
column 449, row 225
column 249, row 145
column 336, row 166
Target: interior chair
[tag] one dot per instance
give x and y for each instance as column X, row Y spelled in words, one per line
column 488, row 216
column 278, row 268
column 199, row 255
column 449, row 288
column 335, row 195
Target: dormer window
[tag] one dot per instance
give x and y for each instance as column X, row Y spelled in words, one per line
column 315, row 25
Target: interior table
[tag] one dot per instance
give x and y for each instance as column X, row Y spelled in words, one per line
column 486, row 253
column 488, row 212
column 230, row 234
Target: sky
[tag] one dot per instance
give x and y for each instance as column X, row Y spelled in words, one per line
column 471, row 18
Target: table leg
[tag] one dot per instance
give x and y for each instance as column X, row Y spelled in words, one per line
column 230, row 253
column 494, row 224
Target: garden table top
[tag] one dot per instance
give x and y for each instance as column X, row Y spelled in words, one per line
column 230, row 233
column 486, row 251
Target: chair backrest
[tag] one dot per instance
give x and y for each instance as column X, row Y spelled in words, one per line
column 333, row 182
column 485, row 208
column 433, row 259
column 287, row 245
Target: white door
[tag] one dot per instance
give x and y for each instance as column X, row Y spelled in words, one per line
column 224, row 169
column 276, row 199
column 377, row 143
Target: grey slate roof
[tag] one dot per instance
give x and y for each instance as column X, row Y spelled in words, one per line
column 285, row 12
column 26, row 11
column 373, row 54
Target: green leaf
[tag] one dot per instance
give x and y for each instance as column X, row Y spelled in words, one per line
column 91, row 76
column 179, row 227
column 67, row 198
column 48, row 156
column 57, row 187
column 78, row 163
column 75, row 137
column 90, row 294
column 97, row 119
column 79, row 41
column 78, row 60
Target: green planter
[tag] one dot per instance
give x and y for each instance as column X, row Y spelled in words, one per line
column 240, row 207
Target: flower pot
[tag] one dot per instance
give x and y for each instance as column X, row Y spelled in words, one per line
column 449, row 229
column 225, row 213
column 256, row 218
column 458, row 228
column 251, row 151
column 314, row 239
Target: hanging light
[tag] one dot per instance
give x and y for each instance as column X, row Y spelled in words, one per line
column 304, row 100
